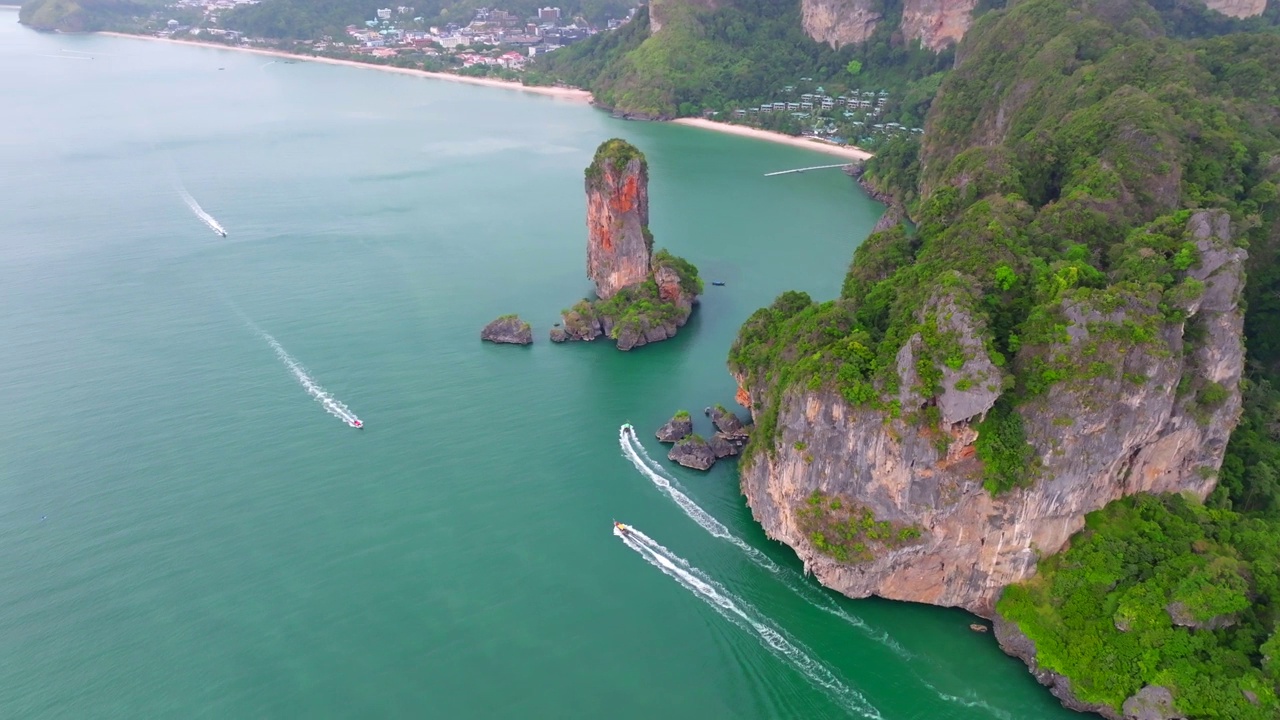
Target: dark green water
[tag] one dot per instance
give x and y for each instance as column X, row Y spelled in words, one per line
column 188, row 534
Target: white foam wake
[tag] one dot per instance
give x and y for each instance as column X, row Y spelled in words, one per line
column 658, row 475
column 331, row 404
column 747, row 617
column 208, row 219
column 635, row 452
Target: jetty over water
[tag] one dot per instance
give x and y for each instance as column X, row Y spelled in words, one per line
column 805, row 169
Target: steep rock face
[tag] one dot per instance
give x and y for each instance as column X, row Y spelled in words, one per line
column 677, row 428
column 937, row 23
column 971, row 388
column 693, row 452
column 839, row 22
column 642, row 296
column 724, row 445
column 1238, row 8
column 1131, row 430
column 618, row 241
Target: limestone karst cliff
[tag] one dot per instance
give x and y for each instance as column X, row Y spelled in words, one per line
column 839, row 22
column 1094, row 440
column 618, row 239
column 643, row 296
column 937, row 23
column 1061, row 330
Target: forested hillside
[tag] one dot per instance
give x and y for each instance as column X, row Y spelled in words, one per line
column 741, row 53
column 86, row 15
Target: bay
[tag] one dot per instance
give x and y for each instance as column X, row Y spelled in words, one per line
column 188, row 534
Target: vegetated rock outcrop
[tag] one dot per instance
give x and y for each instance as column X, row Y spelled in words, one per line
column 726, row 422
column 1064, row 329
column 697, row 452
column 508, row 329
column 643, row 296
column 693, row 452
column 730, row 436
column 677, row 428
column 908, row 394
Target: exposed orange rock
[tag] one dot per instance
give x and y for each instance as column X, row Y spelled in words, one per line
column 743, row 397
column 645, row 296
column 618, row 244
column 668, row 284
column 937, row 23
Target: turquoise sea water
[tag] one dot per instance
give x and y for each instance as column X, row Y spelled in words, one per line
column 188, row 534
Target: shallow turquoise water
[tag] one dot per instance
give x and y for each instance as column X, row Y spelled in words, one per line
column 189, row 534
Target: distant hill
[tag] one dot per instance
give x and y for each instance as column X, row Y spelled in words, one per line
column 85, row 15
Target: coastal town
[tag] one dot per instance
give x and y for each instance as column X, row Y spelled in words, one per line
column 500, row 45
column 494, row 42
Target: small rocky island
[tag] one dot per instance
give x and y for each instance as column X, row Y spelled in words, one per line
column 508, row 329
column 692, row 450
column 642, row 296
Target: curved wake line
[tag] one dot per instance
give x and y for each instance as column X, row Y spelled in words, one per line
column 331, row 404
column 977, row 704
column 208, row 219
column 747, row 617
column 635, row 452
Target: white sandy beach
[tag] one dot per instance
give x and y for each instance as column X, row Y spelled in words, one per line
column 560, row 92
column 844, row 151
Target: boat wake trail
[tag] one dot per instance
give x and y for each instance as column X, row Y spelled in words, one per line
column 208, row 219
column 747, row 617
column 658, row 475
column 331, row 404
column 970, row 703
column 635, row 452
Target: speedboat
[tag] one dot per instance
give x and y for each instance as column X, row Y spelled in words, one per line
column 717, row 283
column 620, row 527
column 223, row 233
column 356, row 424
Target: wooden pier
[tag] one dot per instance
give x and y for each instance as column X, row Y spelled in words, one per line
column 806, row 169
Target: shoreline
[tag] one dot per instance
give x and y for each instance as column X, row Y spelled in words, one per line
column 573, row 94
column 845, row 151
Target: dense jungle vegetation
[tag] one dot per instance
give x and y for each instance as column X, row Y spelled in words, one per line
column 1062, row 160
column 742, row 53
